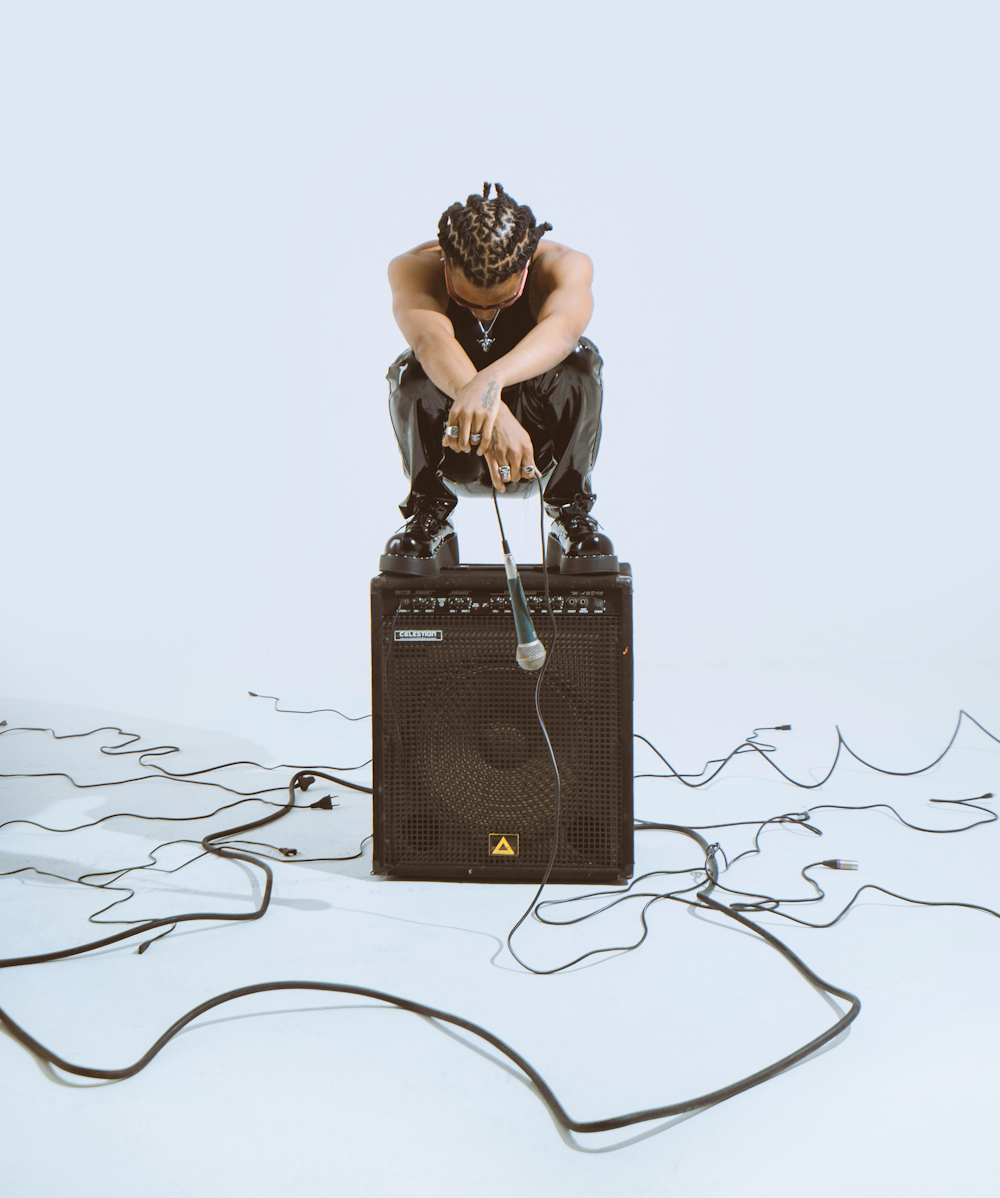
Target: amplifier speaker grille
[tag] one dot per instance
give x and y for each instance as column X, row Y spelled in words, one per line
column 461, row 766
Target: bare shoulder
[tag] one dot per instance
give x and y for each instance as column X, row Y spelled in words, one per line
column 417, row 280
column 559, row 266
column 417, row 267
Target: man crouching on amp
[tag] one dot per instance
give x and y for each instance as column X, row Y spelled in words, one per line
column 499, row 386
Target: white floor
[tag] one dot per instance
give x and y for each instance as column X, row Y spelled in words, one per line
column 300, row 1094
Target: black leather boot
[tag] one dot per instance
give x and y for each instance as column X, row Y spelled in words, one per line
column 576, row 545
column 425, row 544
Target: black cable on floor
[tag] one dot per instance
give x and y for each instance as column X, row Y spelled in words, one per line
column 750, row 745
column 704, row 899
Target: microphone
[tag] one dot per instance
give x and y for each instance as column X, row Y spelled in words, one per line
column 530, row 650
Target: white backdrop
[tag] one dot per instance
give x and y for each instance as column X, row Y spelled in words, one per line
column 791, row 209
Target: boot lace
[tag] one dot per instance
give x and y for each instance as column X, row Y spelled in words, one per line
column 427, row 521
column 577, row 522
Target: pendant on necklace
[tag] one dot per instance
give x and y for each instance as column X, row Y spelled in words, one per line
column 487, row 340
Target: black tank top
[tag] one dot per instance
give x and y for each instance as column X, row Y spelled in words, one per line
column 512, row 325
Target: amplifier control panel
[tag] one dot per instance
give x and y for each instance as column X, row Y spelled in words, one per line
column 581, row 605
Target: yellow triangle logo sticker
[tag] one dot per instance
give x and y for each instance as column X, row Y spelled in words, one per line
column 501, row 844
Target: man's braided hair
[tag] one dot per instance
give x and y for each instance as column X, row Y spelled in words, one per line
column 489, row 240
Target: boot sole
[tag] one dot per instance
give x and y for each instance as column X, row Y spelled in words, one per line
column 594, row 563
column 445, row 558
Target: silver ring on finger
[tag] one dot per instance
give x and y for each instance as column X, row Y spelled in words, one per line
column 451, row 430
column 504, row 472
column 476, row 438
column 527, row 469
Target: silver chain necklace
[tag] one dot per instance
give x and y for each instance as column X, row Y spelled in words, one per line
column 487, row 340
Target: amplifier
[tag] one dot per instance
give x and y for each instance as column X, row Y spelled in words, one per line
column 464, row 788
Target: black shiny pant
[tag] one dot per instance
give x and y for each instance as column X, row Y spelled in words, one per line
column 560, row 411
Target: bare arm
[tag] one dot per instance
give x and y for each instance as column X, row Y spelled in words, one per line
column 562, row 318
column 420, row 312
column 565, row 281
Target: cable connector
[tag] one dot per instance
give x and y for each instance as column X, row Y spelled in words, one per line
column 782, row 728
column 288, row 852
column 837, row 863
column 323, row 804
column 305, row 782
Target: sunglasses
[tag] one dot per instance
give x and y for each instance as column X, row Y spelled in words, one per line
column 485, row 307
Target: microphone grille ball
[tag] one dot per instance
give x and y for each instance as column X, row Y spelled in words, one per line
column 531, row 656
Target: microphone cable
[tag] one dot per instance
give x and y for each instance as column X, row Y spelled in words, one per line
column 548, row 743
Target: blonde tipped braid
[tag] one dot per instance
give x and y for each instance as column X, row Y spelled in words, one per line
column 489, row 240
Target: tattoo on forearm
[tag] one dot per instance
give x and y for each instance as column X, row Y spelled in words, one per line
column 490, row 398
